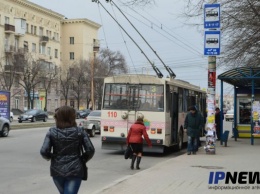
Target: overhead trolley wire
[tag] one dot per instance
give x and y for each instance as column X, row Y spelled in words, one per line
column 103, row 26
column 172, row 74
column 125, row 44
column 158, row 72
column 165, row 27
column 188, row 46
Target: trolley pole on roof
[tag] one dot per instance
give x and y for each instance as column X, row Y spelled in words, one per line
column 211, row 49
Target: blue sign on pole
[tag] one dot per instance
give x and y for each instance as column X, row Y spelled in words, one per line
column 212, row 16
column 212, row 43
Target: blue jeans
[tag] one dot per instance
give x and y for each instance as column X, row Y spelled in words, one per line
column 67, row 185
column 192, row 144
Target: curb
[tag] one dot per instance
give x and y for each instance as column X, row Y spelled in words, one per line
column 31, row 125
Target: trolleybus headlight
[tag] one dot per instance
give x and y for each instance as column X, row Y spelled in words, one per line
column 124, row 115
column 153, row 130
column 159, row 131
column 122, row 135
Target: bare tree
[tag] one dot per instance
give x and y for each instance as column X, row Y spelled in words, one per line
column 240, row 26
column 28, row 80
column 79, row 75
column 107, row 64
column 48, row 75
column 65, row 82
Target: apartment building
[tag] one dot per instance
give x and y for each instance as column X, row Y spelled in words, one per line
column 46, row 36
column 79, row 42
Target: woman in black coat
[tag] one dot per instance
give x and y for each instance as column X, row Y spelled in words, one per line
column 62, row 146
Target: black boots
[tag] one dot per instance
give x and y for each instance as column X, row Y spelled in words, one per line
column 133, row 162
column 138, row 162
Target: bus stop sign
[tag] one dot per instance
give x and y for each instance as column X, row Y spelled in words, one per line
column 212, row 43
column 211, row 16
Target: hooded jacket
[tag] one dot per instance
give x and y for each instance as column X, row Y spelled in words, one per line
column 62, row 147
column 193, row 123
column 136, row 132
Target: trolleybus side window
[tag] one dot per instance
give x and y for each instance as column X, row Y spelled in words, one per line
column 185, row 100
column 180, row 99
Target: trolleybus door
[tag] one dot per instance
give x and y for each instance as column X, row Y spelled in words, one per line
column 174, row 116
column 133, row 104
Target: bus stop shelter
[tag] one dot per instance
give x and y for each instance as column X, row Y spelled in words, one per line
column 246, row 80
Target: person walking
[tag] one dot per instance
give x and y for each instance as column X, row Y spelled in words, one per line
column 62, row 145
column 135, row 140
column 193, row 125
column 218, row 117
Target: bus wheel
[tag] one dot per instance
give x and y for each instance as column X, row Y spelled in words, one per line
column 180, row 141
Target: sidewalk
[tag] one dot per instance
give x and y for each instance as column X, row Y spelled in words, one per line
column 190, row 174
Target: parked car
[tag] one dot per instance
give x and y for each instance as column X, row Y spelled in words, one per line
column 229, row 116
column 92, row 123
column 11, row 116
column 83, row 113
column 4, row 127
column 33, row 115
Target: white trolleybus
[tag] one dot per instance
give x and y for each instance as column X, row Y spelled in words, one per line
column 162, row 103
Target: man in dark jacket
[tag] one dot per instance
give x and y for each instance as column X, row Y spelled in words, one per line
column 193, row 125
column 217, row 122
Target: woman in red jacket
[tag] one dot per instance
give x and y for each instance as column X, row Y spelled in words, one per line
column 134, row 138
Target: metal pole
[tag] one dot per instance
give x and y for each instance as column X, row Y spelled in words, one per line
column 92, row 83
column 211, row 93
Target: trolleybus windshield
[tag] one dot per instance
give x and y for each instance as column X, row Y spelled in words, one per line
column 134, row 97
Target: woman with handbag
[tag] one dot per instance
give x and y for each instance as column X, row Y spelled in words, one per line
column 62, row 145
column 135, row 140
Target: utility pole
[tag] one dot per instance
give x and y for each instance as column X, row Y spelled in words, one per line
column 211, row 49
column 95, row 50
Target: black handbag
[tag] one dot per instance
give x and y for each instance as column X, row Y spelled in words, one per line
column 82, row 159
column 128, row 152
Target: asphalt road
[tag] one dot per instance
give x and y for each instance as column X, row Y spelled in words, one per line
column 23, row 171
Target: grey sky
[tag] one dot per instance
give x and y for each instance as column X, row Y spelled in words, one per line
column 179, row 46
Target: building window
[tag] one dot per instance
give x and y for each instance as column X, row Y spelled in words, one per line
column 56, row 53
column 16, row 44
column 16, row 82
column 71, row 55
column 6, row 20
column 33, row 47
column 49, row 51
column 42, row 49
column 31, row 29
column 35, row 30
column 71, row 40
column 27, row 28
column 25, row 45
column 41, row 31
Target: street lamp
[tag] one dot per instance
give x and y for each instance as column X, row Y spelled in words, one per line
column 95, row 50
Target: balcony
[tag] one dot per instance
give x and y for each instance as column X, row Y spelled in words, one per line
column 21, row 51
column 44, row 39
column 9, row 29
column 11, row 68
column 9, row 48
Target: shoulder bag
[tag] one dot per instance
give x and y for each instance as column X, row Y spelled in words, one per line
column 83, row 161
column 128, row 152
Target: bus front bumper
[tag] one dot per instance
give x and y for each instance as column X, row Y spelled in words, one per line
column 119, row 143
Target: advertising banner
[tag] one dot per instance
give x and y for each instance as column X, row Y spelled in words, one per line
column 5, row 104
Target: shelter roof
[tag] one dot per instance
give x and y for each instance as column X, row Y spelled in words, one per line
column 242, row 76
